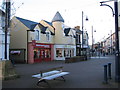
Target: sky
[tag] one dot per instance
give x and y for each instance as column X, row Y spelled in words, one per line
column 100, row 17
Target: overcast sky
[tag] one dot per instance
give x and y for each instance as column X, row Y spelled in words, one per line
column 100, row 17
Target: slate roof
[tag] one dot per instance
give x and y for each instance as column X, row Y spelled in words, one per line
column 28, row 23
column 57, row 17
column 48, row 22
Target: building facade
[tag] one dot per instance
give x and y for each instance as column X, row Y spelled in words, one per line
column 109, row 44
column 2, row 37
column 64, row 40
column 78, row 40
column 30, row 41
column 44, row 41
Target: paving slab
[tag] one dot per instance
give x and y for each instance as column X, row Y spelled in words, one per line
column 83, row 74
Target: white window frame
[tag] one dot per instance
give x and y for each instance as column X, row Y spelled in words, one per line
column 48, row 36
column 37, row 35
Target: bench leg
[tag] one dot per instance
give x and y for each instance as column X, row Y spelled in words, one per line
column 63, row 78
column 44, row 82
column 60, row 79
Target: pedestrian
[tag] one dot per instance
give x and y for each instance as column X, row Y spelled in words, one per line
column 13, row 62
column 103, row 53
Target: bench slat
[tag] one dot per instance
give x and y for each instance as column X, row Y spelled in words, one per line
column 52, row 69
column 46, row 74
column 55, row 76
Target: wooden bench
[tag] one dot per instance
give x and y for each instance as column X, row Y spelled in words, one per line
column 50, row 74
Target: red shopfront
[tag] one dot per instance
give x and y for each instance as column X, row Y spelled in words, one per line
column 41, row 52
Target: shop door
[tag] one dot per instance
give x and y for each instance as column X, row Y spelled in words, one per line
column 45, row 54
column 37, row 55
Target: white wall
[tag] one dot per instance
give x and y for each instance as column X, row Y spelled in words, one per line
column 2, row 40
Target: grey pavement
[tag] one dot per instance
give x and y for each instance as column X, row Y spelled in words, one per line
column 83, row 74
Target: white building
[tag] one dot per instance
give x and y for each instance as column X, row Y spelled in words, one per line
column 2, row 36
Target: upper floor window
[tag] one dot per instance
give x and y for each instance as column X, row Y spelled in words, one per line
column 37, row 35
column 48, row 36
column 78, row 39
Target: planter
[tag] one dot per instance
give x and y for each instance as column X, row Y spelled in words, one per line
column 75, row 59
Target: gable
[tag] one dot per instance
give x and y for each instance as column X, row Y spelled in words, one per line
column 48, row 25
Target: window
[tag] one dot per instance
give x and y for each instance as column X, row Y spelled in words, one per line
column 36, row 53
column 68, row 52
column 47, row 53
column 37, row 35
column 78, row 39
column 48, row 36
column 59, row 52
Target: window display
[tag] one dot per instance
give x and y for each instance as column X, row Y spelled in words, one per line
column 64, row 52
column 59, row 53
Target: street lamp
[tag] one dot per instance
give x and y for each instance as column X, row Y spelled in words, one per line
column 92, row 39
column 117, row 53
column 7, row 24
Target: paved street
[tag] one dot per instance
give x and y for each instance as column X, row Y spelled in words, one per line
column 84, row 74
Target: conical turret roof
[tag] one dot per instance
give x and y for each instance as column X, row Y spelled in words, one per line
column 57, row 17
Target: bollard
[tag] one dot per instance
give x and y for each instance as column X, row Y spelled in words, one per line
column 109, row 70
column 105, row 74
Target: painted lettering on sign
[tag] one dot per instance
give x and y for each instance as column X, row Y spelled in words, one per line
column 45, row 46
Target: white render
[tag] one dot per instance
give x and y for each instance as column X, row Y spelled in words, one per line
column 63, row 47
column 2, row 38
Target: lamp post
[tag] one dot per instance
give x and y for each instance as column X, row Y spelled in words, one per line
column 83, row 28
column 117, row 53
column 111, row 51
column 7, row 24
column 92, row 39
column 111, row 43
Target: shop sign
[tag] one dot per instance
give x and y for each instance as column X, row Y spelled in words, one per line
column 15, row 52
column 43, row 46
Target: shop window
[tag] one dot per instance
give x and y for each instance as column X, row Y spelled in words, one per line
column 64, row 53
column 41, row 53
column 47, row 53
column 68, row 52
column 59, row 53
column 36, row 54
